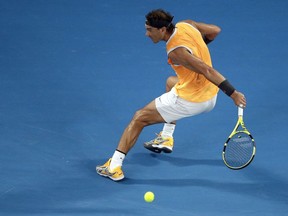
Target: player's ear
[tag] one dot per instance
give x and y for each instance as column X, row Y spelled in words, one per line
column 163, row 29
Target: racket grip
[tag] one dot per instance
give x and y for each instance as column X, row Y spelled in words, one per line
column 240, row 111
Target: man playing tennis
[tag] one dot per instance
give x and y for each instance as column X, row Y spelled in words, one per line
column 193, row 91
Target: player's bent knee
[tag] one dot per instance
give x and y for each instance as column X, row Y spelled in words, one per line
column 170, row 82
column 141, row 117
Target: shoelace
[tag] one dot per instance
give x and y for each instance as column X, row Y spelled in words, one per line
column 158, row 139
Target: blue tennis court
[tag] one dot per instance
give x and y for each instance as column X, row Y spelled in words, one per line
column 72, row 74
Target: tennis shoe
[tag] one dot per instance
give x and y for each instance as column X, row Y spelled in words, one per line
column 115, row 174
column 160, row 144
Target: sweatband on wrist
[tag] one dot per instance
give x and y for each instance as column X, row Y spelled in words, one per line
column 226, row 87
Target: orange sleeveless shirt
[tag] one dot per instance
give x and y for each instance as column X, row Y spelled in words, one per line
column 191, row 86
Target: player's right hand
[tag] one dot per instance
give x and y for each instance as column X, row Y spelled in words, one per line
column 239, row 99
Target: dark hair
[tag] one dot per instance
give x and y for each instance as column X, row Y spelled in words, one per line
column 160, row 18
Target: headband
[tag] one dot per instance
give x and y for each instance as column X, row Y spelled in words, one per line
column 158, row 23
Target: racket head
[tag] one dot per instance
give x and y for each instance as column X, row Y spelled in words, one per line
column 239, row 150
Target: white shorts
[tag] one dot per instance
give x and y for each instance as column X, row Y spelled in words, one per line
column 172, row 108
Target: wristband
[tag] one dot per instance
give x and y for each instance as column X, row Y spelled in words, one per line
column 226, row 87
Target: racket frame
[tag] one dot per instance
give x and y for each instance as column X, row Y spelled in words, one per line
column 240, row 123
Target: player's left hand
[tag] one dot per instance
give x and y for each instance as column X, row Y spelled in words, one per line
column 239, row 99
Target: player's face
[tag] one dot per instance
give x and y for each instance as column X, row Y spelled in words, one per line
column 155, row 34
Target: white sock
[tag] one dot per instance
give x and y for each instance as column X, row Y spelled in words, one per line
column 117, row 159
column 168, row 130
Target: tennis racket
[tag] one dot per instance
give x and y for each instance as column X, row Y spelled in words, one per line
column 239, row 149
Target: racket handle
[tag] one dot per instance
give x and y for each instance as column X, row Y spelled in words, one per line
column 240, row 111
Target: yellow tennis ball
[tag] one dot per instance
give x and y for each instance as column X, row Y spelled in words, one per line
column 149, row 196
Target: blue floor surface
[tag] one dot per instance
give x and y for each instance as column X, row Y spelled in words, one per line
column 72, row 73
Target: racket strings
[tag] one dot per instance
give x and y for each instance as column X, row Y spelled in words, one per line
column 239, row 150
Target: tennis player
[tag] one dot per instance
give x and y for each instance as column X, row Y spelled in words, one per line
column 192, row 91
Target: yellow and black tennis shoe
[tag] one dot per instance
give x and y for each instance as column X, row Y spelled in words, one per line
column 115, row 174
column 160, row 144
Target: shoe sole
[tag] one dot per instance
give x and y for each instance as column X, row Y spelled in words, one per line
column 158, row 149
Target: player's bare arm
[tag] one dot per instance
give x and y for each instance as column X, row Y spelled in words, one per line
column 182, row 57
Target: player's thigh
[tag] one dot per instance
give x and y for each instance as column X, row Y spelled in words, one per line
column 149, row 114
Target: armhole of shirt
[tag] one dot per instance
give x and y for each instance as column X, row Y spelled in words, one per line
column 172, row 49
